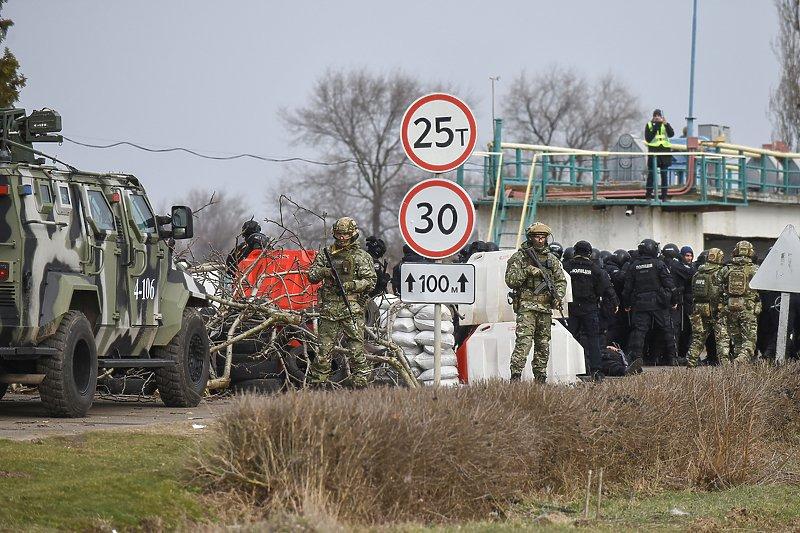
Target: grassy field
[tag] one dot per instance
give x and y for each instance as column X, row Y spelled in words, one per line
column 128, row 481
column 99, row 479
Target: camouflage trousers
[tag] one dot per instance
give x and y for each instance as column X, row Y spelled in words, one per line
column 328, row 332
column 742, row 328
column 703, row 325
column 533, row 328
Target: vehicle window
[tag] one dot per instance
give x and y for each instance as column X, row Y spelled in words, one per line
column 63, row 192
column 100, row 211
column 142, row 215
column 45, row 194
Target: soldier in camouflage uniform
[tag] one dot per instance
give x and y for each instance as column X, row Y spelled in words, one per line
column 358, row 278
column 532, row 301
column 707, row 316
column 742, row 304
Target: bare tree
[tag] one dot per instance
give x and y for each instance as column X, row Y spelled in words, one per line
column 784, row 103
column 218, row 217
column 355, row 116
column 560, row 106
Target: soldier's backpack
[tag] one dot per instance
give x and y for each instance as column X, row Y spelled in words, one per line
column 737, row 282
column 703, row 287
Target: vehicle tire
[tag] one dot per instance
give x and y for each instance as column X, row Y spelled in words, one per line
column 70, row 376
column 182, row 384
column 261, row 386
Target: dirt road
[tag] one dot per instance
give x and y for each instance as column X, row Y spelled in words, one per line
column 22, row 417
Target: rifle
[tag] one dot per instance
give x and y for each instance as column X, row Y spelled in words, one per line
column 551, row 288
column 339, row 285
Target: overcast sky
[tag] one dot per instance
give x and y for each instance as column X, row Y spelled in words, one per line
column 212, row 76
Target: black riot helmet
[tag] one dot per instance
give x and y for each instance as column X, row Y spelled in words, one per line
column 671, row 251
column 258, row 241
column 583, row 248
column 648, row 248
column 569, row 253
column 702, row 258
column 376, row 247
column 557, row 249
column 250, row 227
column 621, row 257
column 596, row 256
column 606, row 256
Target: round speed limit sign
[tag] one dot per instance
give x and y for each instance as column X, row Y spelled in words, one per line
column 436, row 218
column 438, row 132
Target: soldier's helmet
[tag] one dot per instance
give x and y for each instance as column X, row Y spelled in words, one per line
column 557, row 249
column 716, row 256
column 671, row 251
column 250, row 227
column 538, row 228
column 345, row 229
column 648, row 247
column 744, row 249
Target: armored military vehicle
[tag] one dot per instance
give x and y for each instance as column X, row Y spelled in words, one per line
column 87, row 279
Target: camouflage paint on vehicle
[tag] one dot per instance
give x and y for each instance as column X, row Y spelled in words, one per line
column 88, row 242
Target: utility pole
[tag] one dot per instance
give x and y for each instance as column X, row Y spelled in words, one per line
column 493, row 79
column 690, row 118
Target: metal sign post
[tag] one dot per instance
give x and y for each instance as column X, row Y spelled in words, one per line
column 438, row 133
column 780, row 272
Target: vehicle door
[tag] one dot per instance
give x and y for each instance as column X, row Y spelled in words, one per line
column 146, row 261
column 104, row 260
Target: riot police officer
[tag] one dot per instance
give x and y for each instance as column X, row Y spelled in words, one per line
column 589, row 284
column 376, row 248
column 649, row 294
column 682, row 273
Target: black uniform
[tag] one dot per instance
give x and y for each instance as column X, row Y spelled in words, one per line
column 589, row 284
column 409, row 256
column 682, row 273
column 649, row 294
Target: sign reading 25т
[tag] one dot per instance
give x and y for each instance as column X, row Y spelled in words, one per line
column 438, row 132
column 436, row 218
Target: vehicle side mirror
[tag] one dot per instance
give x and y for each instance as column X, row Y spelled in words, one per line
column 182, row 222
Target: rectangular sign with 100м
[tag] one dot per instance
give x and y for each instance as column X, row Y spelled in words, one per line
column 438, row 283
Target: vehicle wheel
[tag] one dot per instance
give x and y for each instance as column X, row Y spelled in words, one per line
column 182, row 384
column 262, row 386
column 70, row 376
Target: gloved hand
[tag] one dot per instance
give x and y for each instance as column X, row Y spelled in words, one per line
column 532, row 271
column 349, row 286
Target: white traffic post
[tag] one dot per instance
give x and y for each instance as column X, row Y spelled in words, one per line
column 779, row 273
column 783, row 325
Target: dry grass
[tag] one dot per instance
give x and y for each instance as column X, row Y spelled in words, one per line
column 381, row 456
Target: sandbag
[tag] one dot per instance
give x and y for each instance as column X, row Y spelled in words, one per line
column 425, row 360
column 384, row 301
column 404, row 339
column 445, row 350
column 448, row 372
column 425, row 338
column 425, row 312
column 427, row 325
column 404, row 324
column 404, row 312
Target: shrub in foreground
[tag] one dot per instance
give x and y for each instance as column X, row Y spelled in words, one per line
column 385, row 455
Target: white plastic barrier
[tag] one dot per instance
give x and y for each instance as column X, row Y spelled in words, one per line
column 491, row 292
column 488, row 353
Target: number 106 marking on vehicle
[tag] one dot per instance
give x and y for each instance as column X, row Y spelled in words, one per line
column 145, row 289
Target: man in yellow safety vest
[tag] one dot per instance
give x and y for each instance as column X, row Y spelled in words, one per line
column 656, row 135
